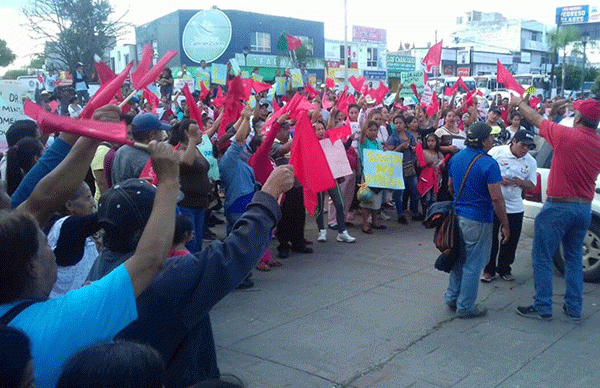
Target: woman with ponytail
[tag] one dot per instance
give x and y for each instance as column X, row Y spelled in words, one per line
column 20, row 158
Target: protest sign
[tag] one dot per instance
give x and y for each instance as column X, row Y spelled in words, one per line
column 426, row 96
column 336, row 158
column 411, row 77
column 235, row 67
column 204, row 78
column 219, row 73
column 11, row 107
column 179, row 82
column 383, row 169
column 257, row 77
column 281, row 88
column 296, row 78
column 244, row 74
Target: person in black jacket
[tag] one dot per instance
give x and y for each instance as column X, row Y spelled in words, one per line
column 80, row 81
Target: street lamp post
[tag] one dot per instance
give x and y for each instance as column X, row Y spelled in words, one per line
column 245, row 51
column 584, row 39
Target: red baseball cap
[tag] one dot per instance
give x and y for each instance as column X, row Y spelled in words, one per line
column 589, row 108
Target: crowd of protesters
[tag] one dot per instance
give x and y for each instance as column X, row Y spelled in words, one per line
column 108, row 279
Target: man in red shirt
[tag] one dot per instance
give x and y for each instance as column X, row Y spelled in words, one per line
column 566, row 214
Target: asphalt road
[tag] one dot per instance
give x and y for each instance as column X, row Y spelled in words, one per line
column 372, row 314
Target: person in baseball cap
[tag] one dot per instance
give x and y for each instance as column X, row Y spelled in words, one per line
column 478, row 133
column 589, row 112
column 524, row 137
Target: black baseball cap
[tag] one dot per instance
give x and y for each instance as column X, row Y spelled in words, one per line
column 524, row 137
column 126, row 206
column 480, row 131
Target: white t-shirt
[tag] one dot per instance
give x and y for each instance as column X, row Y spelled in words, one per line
column 512, row 167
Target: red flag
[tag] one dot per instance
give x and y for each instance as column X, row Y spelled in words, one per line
column 276, row 106
column 342, row 103
column 247, row 85
column 105, row 74
column 40, row 79
column 434, row 106
column 219, row 99
column 105, row 93
column 325, row 103
column 534, row 102
column 351, row 99
column 365, row 89
column 50, row 123
column 195, row 113
column 232, row 106
column 260, row 86
column 450, row 91
column 433, row 57
column 379, row 93
column 357, row 83
column 462, row 84
column 292, row 42
column 153, row 74
column 53, row 105
column 503, row 76
column 151, row 98
column 339, row 133
column 330, row 83
column 142, row 68
column 312, row 93
column 307, row 153
column 413, row 87
column 203, row 91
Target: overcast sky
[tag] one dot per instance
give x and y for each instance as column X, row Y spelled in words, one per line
column 415, row 22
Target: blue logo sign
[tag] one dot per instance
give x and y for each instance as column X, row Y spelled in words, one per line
column 576, row 14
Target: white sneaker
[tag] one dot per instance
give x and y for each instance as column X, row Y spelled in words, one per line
column 384, row 216
column 322, row 235
column 344, row 236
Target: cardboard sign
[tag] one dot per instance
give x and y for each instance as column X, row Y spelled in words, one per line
column 257, row 77
column 296, row 78
column 411, row 77
column 219, row 73
column 336, row 158
column 281, row 88
column 427, row 95
column 11, row 107
column 202, row 78
column 235, row 67
column 179, row 82
column 383, row 169
column 244, row 74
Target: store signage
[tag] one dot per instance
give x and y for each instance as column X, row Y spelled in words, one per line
column 206, row 35
column 396, row 64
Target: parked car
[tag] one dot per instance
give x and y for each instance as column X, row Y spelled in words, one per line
column 534, row 200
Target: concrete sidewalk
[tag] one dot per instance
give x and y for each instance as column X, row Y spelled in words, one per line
column 372, row 314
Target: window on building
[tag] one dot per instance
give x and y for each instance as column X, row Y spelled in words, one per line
column 126, row 58
column 534, row 36
column 261, row 42
column 371, row 57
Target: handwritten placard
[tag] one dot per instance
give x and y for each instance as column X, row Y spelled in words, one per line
column 202, row 78
column 257, row 77
column 411, row 77
column 235, row 67
column 281, row 88
column 11, row 107
column 296, row 78
column 219, row 73
column 383, row 169
column 336, row 158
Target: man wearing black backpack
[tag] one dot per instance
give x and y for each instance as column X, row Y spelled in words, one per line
column 475, row 205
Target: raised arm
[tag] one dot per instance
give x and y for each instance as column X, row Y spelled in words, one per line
column 529, row 113
column 60, row 184
column 156, row 240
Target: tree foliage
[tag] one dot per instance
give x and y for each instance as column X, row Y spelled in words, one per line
column 573, row 76
column 38, row 61
column 13, row 74
column 6, row 54
column 73, row 30
column 304, row 54
column 559, row 40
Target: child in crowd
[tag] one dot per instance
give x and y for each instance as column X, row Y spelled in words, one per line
column 430, row 160
column 368, row 141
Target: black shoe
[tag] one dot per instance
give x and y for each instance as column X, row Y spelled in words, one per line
column 419, row 217
column 451, row 306
column 532, row 312
column 402, row 220
column 572, row 317
column 245, row 284
column 476, row 313
column 283, row 254
column 303, row 249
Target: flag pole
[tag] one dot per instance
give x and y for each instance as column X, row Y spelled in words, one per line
column 129, row 97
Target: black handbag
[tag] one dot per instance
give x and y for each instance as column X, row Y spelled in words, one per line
column 447, row 234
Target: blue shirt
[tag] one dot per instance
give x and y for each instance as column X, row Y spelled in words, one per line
column 237, row 177
column 59, row 328
column 394, row 140
column 475, row 202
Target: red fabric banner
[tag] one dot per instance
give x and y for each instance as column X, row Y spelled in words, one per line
column 433, row 58
column 105, row 74
column 339, row 133
column 503, row 76
column 195, row 113
column 153, row 74
column 292, row 42
column 357, row 83
column 310, row 165
column 142, row 68
column 105, row 93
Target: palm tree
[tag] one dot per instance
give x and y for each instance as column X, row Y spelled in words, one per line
column 559, row 40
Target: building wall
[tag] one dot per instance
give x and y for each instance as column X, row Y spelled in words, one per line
column 167, row 33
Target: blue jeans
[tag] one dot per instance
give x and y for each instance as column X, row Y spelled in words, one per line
column 196, row 214
column 410, row 183
column 474, row 254
column 567, row 223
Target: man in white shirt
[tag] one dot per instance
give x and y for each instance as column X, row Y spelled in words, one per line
column 49, row 82
column 518, row 170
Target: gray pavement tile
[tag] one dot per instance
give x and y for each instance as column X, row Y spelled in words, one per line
column 259, row 373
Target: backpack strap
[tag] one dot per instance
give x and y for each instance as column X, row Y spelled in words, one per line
column 14, row 311
column 462, row 185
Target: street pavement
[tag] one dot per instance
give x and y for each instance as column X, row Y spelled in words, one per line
column 372, row 314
